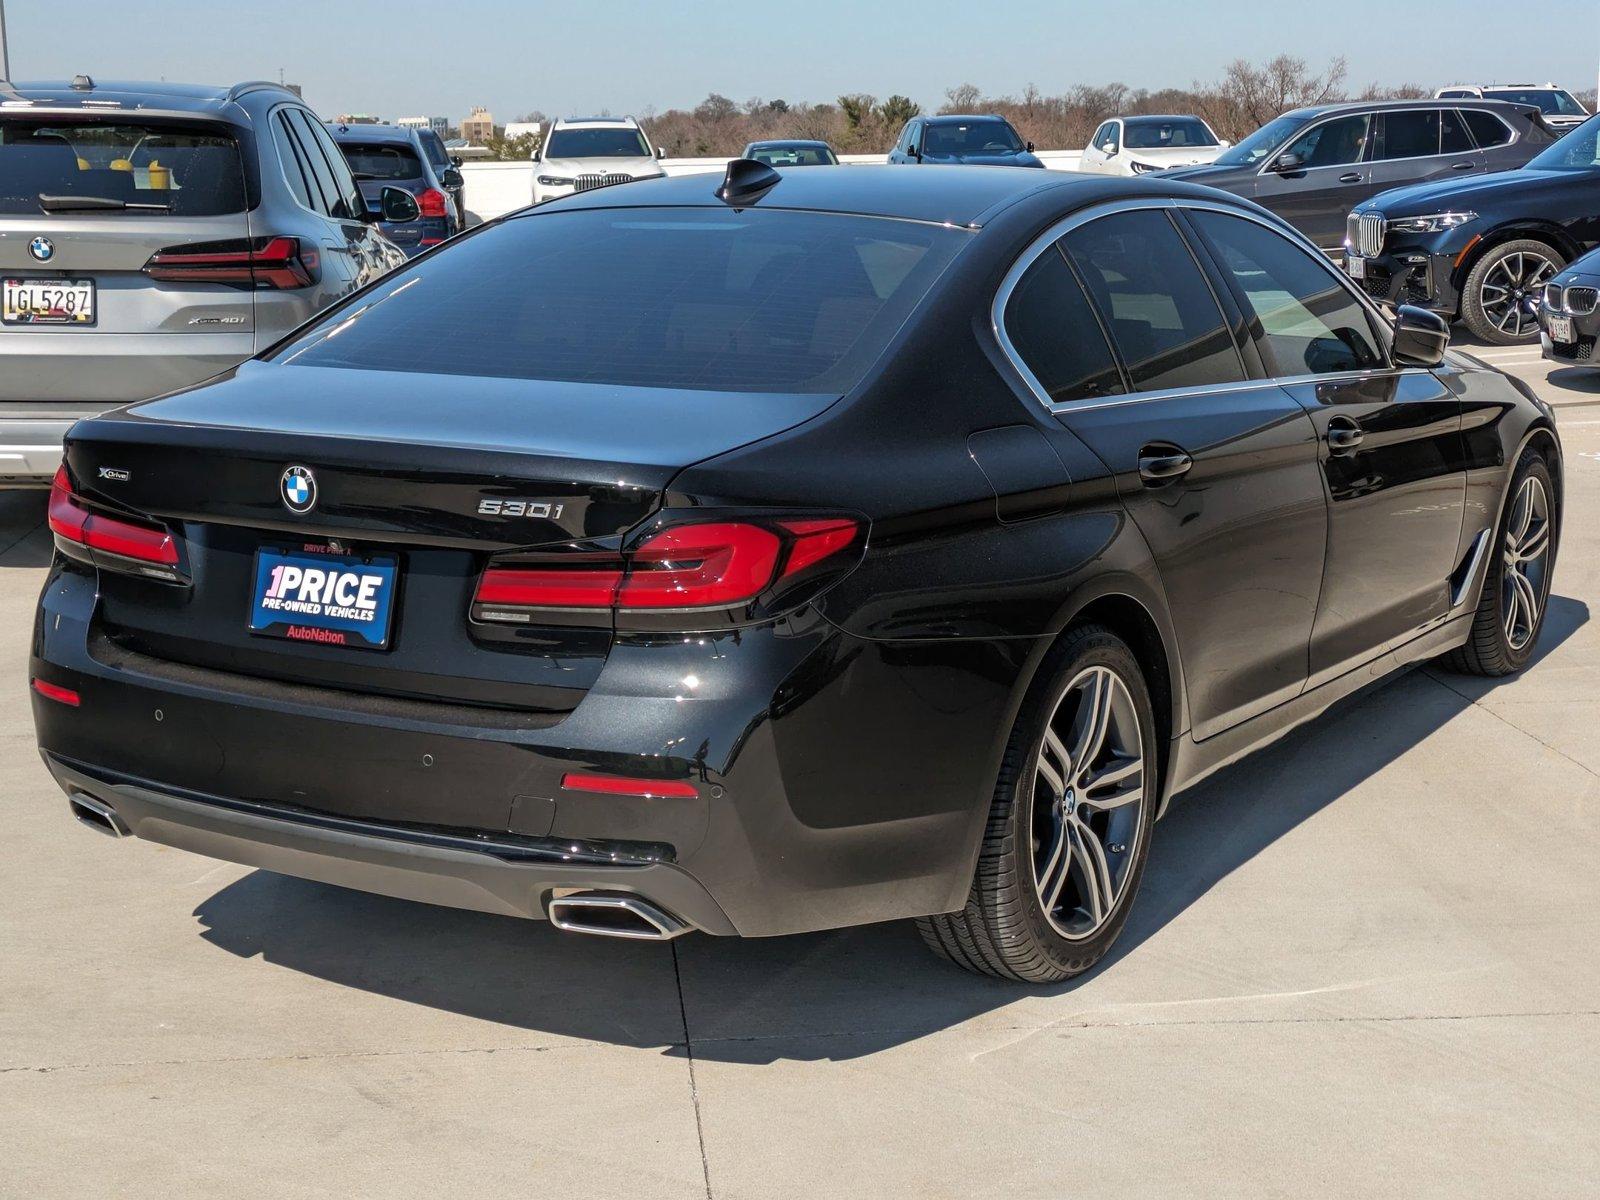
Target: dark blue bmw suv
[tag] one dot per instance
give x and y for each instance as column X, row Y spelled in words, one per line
column 383, row 156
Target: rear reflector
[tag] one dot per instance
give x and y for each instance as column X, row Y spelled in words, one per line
column 283, row 263
column 73, row 523
column 60, row 695
column 614, row 785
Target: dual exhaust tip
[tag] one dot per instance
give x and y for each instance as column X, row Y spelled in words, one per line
column 602, row 914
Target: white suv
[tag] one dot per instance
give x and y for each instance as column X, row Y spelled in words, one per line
column 590, row 152
column 1561, row 111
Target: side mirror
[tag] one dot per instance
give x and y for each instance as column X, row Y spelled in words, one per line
column 452, row 178
column 661, row 152
column 1108, row 149
column 1420, row 337
column 1224, row 143
column 1286, row 162
column 1030, row 147
column 455, row 160
column 537, row 155
column 398, row 205
column 913, row 152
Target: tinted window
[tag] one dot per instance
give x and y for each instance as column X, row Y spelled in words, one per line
column 1054, row 331
column 382, row 160
column 163, row 169
column 1162, row 135
column 1113, row 136
column 318, row 174
column 1309, row 323
column 293, row 160
column 1453, row 136
column 1487, row 129
column 970, row 137
column 599, row 142
column 434, row 149
column 770, row 301
column 1412, row 134
column 1163, row 317
column 1333, row 143
column 350, row 204
column 794, row 156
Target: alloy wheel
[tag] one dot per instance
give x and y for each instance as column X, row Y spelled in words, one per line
column 1089, row 787
column 1526, row 555
column 1511, row 291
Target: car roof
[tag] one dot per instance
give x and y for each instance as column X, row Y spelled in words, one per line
column 949, row 195
column 596, row 121
column 1159, row 117
column 370, row 133
column 962, row 118
column 1322, row 110
column 786, row 142
column 133, row 95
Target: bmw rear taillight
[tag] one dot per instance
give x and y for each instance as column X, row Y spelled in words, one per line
column 116, row 543
column 431, row 202
column 282, row 263
column 736, row 569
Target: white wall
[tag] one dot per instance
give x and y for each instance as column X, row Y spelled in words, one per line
column 495, row 188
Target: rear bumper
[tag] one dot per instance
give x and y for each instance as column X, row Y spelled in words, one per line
column 512, row 877
column 30, row 449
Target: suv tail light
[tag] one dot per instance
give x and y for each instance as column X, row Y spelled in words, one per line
column 744, row 569
column 106, row 541
column 431, row 202
column 283, row 263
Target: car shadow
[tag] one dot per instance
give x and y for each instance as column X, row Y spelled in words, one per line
column 835, row 995
column 25, row 540
column 1576, row 379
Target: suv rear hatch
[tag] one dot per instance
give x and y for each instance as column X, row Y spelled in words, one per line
column 86, row 199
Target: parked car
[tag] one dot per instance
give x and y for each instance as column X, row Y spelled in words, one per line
column 988, row 141
column 1138, row 144
column 154, row 234
column 1567, row 313
column 1482, row 250
column 1561, row 110
column 591, row 152
column 791, row 153
column 1313, row 165
column 896, row 548
column 383, row 156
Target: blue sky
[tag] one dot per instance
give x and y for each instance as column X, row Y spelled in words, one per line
column 400, row 57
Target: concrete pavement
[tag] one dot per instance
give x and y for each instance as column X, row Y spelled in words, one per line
column 1363, row 963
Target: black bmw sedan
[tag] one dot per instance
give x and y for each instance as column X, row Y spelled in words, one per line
column 821, row 548
column 1483, row 249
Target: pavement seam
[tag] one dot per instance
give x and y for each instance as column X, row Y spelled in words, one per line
column 32, row 529
column 1509, row 723
column 909, row 1033
column 688, row 1051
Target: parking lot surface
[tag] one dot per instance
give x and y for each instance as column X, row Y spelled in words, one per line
column 1363, row 963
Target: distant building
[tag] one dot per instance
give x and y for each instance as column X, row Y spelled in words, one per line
column 356, row 119
column 479, row 127
column 438, row 124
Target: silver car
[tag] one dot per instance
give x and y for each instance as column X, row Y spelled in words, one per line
column 153, row 235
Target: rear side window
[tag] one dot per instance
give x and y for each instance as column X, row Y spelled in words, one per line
column 152, row 168
column 1411, row 134
column 381, row 160
column 1487, row 129
column 1163, row 316
column 1310, row 325
column 1453, row 135
column 1054, row 331
column 760, row 301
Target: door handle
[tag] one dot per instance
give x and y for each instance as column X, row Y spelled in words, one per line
column 1462, row 166
column 1344, row 436
column 1163, row 464
column 1350, row 177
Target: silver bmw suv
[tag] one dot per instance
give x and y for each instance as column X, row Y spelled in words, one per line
column 153, row 235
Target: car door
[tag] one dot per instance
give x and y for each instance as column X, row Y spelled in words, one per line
column 1390, row 443
column 1126, row 338
column 1421, row 145
column 1094, row 158
column 1327, row 177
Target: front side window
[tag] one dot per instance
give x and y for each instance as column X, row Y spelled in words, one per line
column 598, row 142
column 1309, row 323
column 1334, row 143
column 149, row 169
column 759, row 301
column 1113, row 138
column 1262, row 142
column 1162, row 314
column 1054, row 331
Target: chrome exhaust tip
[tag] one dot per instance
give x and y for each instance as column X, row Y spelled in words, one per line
column 97, row 815
column 614, row 914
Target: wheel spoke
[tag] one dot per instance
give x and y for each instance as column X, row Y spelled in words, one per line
column 1126, row 776
column 1055, row 777
column 1533, row 543
column 1095, row 717
column 1529, row 598
column 1057, row 866
column 1094, row 872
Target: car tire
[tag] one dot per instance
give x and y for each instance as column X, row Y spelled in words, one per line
column 1524, row 266
column 1521, row 562
column 1050, row 836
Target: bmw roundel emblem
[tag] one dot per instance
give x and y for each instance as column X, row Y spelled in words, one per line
column 42, row 248
column 298, row 487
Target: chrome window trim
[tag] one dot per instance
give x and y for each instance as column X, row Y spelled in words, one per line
column 1372, row 115
column 1047, row 240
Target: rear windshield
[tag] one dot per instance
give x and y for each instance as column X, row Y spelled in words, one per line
column 601, row 142
column 747, row 301
column 113, row 167
column 382, row 160
column 794, row 156
column 1165, row 135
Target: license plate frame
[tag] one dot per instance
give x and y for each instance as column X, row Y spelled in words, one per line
column 1560, row 330
column 78, row 306
column 1355, row 266
column 292, row 608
